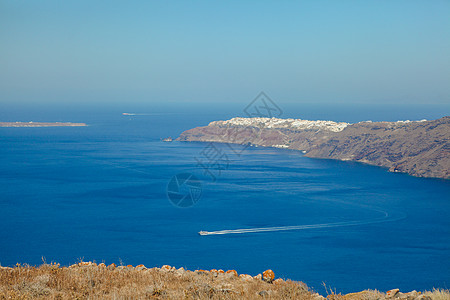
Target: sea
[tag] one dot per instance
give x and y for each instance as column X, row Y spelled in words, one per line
column 104, row 193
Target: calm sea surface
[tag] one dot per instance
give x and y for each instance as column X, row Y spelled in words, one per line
column 100, row 193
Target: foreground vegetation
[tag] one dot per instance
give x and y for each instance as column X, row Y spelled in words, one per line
column 87, row 280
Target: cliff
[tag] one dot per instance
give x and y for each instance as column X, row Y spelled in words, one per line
column 419, row 148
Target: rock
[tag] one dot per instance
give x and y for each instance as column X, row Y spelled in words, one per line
column 140, row 267
column 166, row 268
column 412, row 295
column 232, row 272
column 391, row 293
column 278, row 281
column 246, row 277
column 258, row 277
column 221, row 271
column 201, row 272
column 407, row 296
column 317, row 296
column 101, row 265
column 268, row 276
column 129, row 266
column 264, row 294
column 112, row 266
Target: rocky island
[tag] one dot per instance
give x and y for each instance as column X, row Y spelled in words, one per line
column 40, row 124
column 419, row 148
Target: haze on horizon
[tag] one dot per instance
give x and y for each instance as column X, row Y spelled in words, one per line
column 203, row 51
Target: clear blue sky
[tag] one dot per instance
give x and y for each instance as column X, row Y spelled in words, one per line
column 297, row 51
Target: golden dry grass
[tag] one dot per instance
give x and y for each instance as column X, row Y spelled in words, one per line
column 438, row 294
column 100, row 282
column 92, row 281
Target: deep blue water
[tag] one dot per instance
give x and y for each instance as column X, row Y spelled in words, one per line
column 99, row 193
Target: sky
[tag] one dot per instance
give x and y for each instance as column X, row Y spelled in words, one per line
column 225, row 51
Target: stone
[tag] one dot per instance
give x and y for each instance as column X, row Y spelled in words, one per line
column 112, row 266
column 214, row 272
column 258, row 277
column 412, row 295
column 268, row 276
column 232, row 272
column 278, row 281
column 317, row 296
column 392, row 293
column 166, row 268
column 140, row 267
column 201, row 272
column 246, row 277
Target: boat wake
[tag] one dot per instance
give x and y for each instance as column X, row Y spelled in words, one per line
column 385, row 218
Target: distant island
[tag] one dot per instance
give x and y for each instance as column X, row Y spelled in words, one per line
column 419, row 148
column 40, row 124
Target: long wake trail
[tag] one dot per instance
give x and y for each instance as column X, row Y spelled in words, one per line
column 385, row 218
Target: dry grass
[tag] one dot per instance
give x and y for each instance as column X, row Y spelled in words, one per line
column 438, row 294
column 92, row 281
column 101, row 282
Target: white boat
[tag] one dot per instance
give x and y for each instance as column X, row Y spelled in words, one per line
column 203, row 232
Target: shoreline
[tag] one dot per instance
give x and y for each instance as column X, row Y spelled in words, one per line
column 417, row 148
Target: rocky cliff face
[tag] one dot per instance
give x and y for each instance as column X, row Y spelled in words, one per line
column 419, row 148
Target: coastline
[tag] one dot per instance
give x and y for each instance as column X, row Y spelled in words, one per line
column 418, row 148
